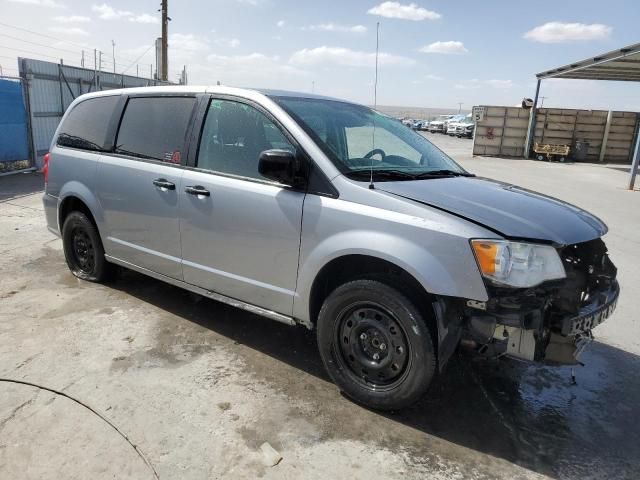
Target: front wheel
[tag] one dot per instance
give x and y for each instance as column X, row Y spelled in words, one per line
column 83, row 249
column 376, row 345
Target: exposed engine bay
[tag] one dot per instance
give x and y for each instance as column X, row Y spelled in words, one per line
column 551, row 322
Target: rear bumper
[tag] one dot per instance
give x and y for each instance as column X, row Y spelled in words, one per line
column 50, row 204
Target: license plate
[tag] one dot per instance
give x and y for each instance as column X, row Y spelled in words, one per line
column 591, row 320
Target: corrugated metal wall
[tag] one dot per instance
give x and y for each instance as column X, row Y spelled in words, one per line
column 52, row 87
column 504, row 129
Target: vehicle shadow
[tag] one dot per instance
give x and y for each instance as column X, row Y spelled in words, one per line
column 532, row 416
column 20, row 184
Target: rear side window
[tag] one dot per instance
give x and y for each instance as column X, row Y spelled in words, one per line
column 155, row 128
column 86, row 126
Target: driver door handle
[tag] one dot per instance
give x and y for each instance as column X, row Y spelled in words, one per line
column 197, row 190
column 164, row 183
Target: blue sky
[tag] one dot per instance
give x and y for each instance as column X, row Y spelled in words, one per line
column 434, row 54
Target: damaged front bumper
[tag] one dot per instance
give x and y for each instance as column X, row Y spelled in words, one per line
column 551, row 322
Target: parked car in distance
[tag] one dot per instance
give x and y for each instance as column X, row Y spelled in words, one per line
column 458, row 126
column 317, row 212
column 465, row 127
column 438, row 125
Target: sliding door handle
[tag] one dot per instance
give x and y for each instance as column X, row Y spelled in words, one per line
column 197, row 190
column 164, row 183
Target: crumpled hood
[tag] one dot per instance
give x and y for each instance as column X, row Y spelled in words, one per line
column 506, row 209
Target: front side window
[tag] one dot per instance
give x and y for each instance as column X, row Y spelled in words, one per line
column 86, row 126
column 155, row 128
column 233, row 137
column 360, row 141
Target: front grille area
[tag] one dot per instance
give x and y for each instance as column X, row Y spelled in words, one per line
column 589, row 271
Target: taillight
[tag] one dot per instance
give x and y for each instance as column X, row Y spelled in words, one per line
column 45, row 167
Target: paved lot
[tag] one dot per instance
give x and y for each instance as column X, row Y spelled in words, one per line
column 198, row 386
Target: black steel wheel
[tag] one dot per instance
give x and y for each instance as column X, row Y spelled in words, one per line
column 376, row 345
column 374, row 350
column 83, row 249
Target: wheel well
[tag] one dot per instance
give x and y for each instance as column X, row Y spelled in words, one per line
column 353, row 267
column 74, row 204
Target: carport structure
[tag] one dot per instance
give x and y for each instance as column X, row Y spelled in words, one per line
column 618, row 65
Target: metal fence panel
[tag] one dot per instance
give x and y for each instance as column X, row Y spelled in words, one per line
column 52, row 87
column 14, row 146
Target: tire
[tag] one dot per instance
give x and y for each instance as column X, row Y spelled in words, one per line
column 83, row 249
column 365, row 318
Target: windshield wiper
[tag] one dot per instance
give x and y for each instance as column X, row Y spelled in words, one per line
column 442, row 173
column 389, row 174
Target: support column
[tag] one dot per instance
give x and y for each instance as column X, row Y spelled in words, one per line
column 605, row 137
column 634, row 164
column 532, row 123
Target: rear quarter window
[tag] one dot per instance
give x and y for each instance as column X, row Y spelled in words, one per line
column 155, row 128
column 86, row 126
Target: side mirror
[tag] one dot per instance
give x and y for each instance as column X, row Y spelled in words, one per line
column 281, row 166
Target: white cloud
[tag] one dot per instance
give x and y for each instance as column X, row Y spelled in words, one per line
column 280, row 23
column 227, row 42
column 332, row 27
column 250, row 66
column 107, row 12
column 71, row 19
column 41, row 3
column 475, row 83
column 500, row 83
column 447, row 48
column 346, row 57
column 187, row 42
column 145, row 18
column 70, row 31
column 403, row 12
column 469, row 84
column 557, row 32
column 433, row 77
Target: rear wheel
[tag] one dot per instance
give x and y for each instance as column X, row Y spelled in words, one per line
column 376, row 345
column 83, row 249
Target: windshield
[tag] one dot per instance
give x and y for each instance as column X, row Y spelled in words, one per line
column 358, row 140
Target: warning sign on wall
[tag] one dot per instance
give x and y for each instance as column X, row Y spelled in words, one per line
column 478, row 113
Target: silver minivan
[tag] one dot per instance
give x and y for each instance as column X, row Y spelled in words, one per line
column 314, row 211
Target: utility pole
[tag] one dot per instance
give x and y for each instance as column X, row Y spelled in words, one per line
column 137, row 73
column 165, row 44
column 542, row 101
column 313, row 86
column 95, row 68
column 82, row 59
column 100, row 61
column 460, row 106
column 113, row 46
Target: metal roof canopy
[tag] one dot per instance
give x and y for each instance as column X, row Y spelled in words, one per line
column 622, row 65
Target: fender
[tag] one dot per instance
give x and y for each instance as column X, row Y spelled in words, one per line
column 74, row 188
column 414, row 258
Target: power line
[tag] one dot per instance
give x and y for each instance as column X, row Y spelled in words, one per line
column 41, row 44
column 69, row 42
column 137, row 59
column 29, row 52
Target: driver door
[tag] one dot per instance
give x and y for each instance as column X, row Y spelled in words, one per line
column 240, row 232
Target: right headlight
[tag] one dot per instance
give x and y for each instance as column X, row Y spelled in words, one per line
column 517, row 264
